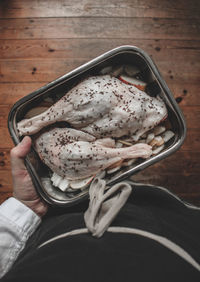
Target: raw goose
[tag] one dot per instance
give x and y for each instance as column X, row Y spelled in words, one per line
column 75, row 155
column 102, row 106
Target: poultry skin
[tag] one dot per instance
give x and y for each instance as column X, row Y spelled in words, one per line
column 102, row 106
column 74, row 154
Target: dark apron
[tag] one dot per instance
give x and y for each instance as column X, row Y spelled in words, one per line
column 115, row 256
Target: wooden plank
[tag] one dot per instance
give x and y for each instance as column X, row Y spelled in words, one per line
column 181, row 162
column 177, row 184
column 4, row 196
column 192, row 140
column 38, row 70
column 5, row 139
column 186, row 93
column 5, row 181
column 148, row 28
column 46, row 70
column 192, row 117
column 89, row 48
column 5, row 185
column 12, row 92
column 4, row 159
column 99, row 8
column 4, row 110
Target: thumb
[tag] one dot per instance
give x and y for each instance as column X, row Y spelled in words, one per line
column 19, row 152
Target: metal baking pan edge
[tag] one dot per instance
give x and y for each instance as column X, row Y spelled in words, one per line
column 83, row 68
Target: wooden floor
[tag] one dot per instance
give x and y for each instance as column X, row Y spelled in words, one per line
column 41, row 40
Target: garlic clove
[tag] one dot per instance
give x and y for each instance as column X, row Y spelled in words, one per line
column 167, row 135
column 150, row 137
column 112, row 170
column 158, row 149
column 159, row 129
column 81, row 183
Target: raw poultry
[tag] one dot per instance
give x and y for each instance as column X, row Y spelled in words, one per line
column 74, row 154
column 98, row 110
column 102, row 106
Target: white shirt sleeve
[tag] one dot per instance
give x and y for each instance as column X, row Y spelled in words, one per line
column 17, row 224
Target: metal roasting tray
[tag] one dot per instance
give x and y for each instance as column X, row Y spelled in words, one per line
column 120, row 55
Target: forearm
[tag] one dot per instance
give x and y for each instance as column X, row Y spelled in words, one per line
column 17, row 224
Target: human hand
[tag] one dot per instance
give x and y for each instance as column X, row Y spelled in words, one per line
column 23, row 188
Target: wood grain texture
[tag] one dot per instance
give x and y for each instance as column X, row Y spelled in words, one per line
column 157, row 28
column 46, row 70
column 20, row 61
column 99, row 8
column 70, row 48
column 41, row 40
